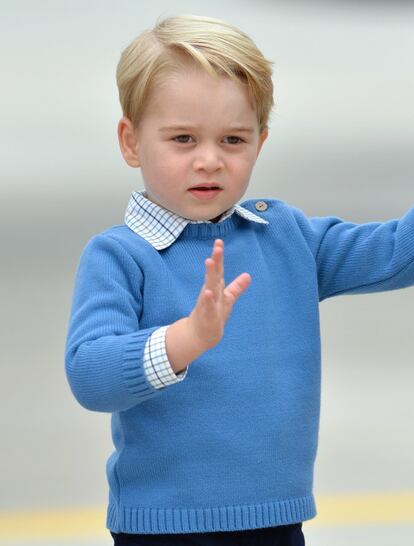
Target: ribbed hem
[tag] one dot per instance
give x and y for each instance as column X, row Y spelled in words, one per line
column 203, row 520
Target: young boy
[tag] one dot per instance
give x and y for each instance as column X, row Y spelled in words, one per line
column 196, row 322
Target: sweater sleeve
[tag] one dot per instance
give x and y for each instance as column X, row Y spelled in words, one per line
column 360, row 258
column 104, row 353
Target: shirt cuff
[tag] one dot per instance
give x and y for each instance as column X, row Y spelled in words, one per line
column 157, row 367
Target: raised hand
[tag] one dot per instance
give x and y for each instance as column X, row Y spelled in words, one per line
column 215, row 301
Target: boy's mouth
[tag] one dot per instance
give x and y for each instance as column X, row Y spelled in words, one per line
column 205, row 192
column 206, row 187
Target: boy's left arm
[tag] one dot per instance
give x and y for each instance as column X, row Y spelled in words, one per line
column 360, row 258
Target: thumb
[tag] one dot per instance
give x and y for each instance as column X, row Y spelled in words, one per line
column 236, row 288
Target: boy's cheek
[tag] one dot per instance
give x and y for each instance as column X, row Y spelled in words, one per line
column 245, row 163
column 168, row 167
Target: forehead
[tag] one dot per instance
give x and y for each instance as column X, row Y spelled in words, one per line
column 195, row 95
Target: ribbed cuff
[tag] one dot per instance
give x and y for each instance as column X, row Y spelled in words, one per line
column 133, row 374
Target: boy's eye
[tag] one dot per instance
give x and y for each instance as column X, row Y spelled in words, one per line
column 183, row 139
column 234, row 140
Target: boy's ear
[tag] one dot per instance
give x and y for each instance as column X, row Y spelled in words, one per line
column 262, row 137
column 128, row 142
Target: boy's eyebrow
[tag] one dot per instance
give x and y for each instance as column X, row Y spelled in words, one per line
column 238, row 128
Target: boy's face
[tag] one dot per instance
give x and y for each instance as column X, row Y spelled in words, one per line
column 194, row 130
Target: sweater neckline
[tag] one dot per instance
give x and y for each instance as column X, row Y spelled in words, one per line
column 211, row 230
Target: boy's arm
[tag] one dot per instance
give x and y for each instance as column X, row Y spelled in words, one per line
column 360, row 258
column 104, row 353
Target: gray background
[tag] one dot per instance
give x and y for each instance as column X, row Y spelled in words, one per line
column 341, row 143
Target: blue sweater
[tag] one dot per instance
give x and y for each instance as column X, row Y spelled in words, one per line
column 232, row 446
column 161, row 227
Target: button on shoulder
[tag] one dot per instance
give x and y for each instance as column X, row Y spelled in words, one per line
column 261, row 205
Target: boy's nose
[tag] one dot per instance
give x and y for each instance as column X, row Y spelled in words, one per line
column 208, row 159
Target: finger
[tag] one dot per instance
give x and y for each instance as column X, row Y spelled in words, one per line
column 236, row 288
column 220, row 257
column 208, row 296
column 214, row 268
column 208, row 280
column 211, row 282
column 217, row 255
column 208, row 307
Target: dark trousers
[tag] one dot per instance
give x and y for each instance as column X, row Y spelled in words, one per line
column 284, row 535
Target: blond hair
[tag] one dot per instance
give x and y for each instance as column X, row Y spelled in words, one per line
column 220, row 48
